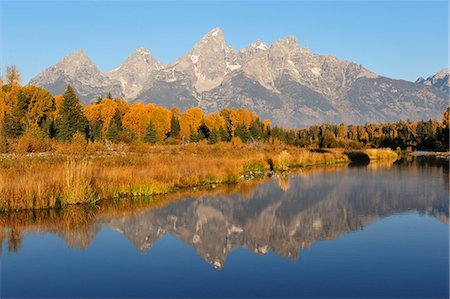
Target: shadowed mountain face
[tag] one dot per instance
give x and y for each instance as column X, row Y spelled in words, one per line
column 284, row 82
column 283, row 215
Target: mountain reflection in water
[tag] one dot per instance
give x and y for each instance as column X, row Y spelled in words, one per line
column 282, row 214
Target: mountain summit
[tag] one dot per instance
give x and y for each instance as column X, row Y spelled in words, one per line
column 78, row 70
column 284, row 82
column 439, row 80
column 136, row 71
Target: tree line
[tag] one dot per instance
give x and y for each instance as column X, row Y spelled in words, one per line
column 31, row 110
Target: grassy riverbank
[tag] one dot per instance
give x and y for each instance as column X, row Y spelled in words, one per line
column 55, row 180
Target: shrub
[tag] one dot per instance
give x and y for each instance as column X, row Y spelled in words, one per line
column 236, row 142
column 79, row 143
column 4, row 144
column 31, row 141
column 96, row 146
column 254, row 168
column 172, row 141
column 282, row 161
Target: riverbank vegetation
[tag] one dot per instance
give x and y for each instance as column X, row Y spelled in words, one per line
column 32, row 120
column 56, row 180
column 57, row 152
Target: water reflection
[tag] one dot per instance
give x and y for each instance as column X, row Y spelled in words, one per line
column 283, row 215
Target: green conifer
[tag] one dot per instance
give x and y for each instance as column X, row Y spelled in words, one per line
column 150, row 134
column 174, row 127
column 70, row 118
column 213, row 137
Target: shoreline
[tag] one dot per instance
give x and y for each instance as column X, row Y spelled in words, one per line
column 50, row 180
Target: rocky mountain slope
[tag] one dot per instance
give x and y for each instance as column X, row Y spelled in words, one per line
column 283, row 82
column 439, row 80
column 136, row 72
column 78, row 70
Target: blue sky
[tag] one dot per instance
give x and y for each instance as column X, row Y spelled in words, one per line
column 398, row 39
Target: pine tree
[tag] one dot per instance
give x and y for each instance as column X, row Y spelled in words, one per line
column 113, row 133
column 242, row 132
column 203, row 131
column 213, row 137
column 150, row 134
column 13, row 127
column 174, row 127
column 256, row 130
column 70, row 118
column 201, row 136
column 224, row 135
column 14, row 121
column 193, row 137
column 95, row 131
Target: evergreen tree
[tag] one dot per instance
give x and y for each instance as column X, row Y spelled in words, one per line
column 224, row 135
column 201, row 136
column 127, row 136
column 203, row 132
column 70, row 118
column 14, row 121
column 193, row 137
column 113, row 133
column 256, row 130
column 150, row 134
column 213, row 137
column 174, row 127
column 95, row 130
column 242, row 132
column 13, row 126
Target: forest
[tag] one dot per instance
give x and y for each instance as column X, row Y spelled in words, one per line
column 33, row 120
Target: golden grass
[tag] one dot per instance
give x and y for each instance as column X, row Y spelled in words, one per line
column 57, row 180
column 381, row 154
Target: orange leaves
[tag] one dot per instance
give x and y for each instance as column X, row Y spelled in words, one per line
column 139, row 116
column 136, row 119
column 235, row 117
column 266, row 125
column 160, row 117
column 41, row 104
column 446, row 118
column 214, row 121
column 101, row 112
column 192, row 118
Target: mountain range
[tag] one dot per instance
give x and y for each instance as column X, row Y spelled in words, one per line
column 283, row 82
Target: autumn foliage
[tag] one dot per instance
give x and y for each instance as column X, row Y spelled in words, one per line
column 33, row 120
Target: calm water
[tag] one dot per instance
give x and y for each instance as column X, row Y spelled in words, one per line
column 370, row 231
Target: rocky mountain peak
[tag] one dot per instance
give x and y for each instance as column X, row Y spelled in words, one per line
column 78, row 54
column 442, row 73
column 213, row 41
column 283, row 82
column 214, row 34
column 440, row 80
column 260, row 46
column 289, row 42
column 78, row 70
column 139, row 68
column 211, row 60
column 75, row 60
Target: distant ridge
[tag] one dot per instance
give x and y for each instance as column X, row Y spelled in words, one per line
column 283, row 82
column 439, row 80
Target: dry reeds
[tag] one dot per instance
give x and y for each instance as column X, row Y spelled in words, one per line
column 56, row 180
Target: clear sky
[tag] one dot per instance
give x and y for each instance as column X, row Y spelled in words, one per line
column 398, row 39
